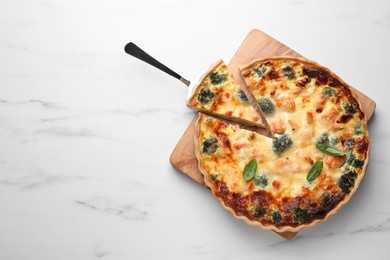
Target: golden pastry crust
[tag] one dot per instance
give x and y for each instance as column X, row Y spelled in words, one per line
column 308, row 107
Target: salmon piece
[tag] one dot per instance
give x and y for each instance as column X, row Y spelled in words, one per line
column 285, row 102
column 228, row 113
column 278, row 126
column 305, row 137
column 307, row 133
column 309, row 159
column 296, row 91
column 309, row 117
column 255, row 117
column 304, row 191
column 305, row 99
column 276, row 184
column 328, row 118
column 283, row 86
column 334, row 162
column 292, row 123
column 321, row 100
column 251, row 136
column 252, row 154
column 320, row 103
column 287, row 165
column 280, row 163
column 256, row 85
column 336, row 127
column 238, row 145
column 235, row 128
column 272, row 90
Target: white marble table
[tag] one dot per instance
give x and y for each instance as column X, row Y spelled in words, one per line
column 86, row 131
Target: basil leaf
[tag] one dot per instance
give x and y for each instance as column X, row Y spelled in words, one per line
column 330, row 149
column 249, row 170
column 314, row 171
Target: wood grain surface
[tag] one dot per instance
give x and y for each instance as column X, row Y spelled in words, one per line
column 256, row 45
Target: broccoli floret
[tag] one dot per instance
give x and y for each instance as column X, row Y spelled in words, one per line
column 349, row 108
column 276, row 217
column 280, row 143
column 347, row 181
column 261, row 180
column 323, row 138
column 205, row 96
column 210, row 145
column 349, row 143
column 352, row 160
column 214, row 176
column 350, row 157
column 217, row 78
column 266, row 106
column 241, row 95
column 327, row 200
column 358, row 129
column 300, row 215
column 333, row 140
column 260, row 72
column 329, row 92
column 288, row 72
column 357, row 163
column 260, row 211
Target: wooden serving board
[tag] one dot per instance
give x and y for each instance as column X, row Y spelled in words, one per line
column 256, row 45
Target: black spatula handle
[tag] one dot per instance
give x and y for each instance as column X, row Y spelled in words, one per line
column 138, row 53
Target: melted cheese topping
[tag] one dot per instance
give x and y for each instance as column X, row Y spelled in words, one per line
column 304, row 112
column 219, row 94
column 307, row 105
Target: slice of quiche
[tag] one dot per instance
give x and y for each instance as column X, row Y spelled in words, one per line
column 218, row 94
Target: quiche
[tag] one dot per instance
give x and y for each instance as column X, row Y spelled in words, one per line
column 219, row 94
column 312, row 165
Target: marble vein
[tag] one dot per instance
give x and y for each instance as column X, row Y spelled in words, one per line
column 141, row 112
column 18, row 47
column 36, row 180
column 127, row 211
column 90, row 112
column 98, row 252
column 68, row 132
column 44, row 104
column 101, row 253
column 383, row 226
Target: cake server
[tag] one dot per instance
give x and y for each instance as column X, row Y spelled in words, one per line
column 138, row 53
